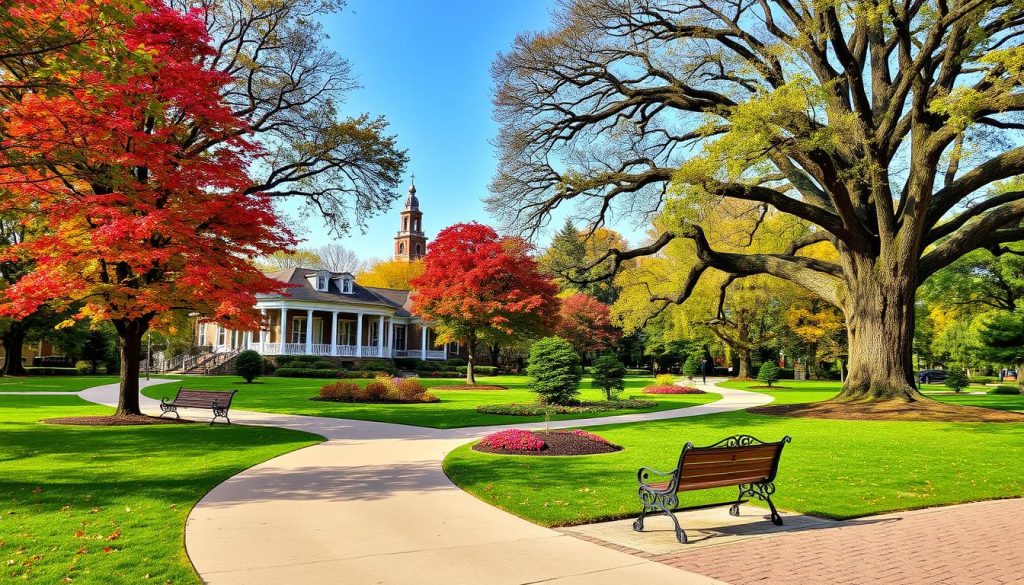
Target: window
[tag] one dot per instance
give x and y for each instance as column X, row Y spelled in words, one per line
column 405, row 223
column 321, row 282
column 374, row 333
column 346, row 285
column 202, row 334
column 347, row 333
column 401, row 247
column 400, row 337
column 298, row 330
column 222, row 335
column 417, row 249
column 416, row 225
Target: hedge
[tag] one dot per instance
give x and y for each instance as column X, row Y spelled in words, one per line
column 306, row 372
column 513, row 409
column 50, row 371
column 479, row 370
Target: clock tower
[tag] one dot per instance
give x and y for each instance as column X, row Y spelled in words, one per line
column 410, row 243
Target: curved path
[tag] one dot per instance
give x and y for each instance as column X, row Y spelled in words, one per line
column 371, row 505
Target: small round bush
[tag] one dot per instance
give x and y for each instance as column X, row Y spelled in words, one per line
column 249, row 365
column 1005, row 389
column 608, row 374
column 768, row 373
column 957, row 380
column 664, row 380
column 691, row 366
column 554, row 370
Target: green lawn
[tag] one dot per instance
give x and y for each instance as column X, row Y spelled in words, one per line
column 833, row 468
column 108, row 504
column 52, row 383
column 456, row 408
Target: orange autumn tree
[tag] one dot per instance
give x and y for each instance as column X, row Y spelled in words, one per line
column 132, row 215
column 479, row 287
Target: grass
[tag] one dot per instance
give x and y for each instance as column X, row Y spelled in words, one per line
column 52, row 383
column 456, row 409
column 108, row 504
column 833, row 468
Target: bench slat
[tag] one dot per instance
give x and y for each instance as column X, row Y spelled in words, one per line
column 723, row 454
column 749, row 466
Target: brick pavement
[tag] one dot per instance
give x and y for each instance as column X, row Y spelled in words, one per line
column 979, row 543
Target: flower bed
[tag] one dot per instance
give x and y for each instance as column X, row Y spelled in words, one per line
column 382, row 389
column 514, row 409
column 524, row 442
column 657, row 389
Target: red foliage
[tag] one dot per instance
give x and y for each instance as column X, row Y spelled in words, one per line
column 126, row 214
column 672, row 390
column 477, row 286
column 513, row 440
column 586, row 324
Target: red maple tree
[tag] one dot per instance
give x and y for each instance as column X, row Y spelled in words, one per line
column 586, row 324
column 479, row 287
column 131, row 217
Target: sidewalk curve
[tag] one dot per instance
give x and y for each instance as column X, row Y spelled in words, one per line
column 371, row 505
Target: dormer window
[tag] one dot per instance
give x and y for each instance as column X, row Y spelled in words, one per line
column 321, row 282
column 344, row 282
column 346, row 285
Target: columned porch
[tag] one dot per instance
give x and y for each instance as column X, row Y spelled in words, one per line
column 338, row 333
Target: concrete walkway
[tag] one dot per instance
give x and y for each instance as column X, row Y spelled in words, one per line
column 371, row 505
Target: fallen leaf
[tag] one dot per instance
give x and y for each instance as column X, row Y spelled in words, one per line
column 114, row 535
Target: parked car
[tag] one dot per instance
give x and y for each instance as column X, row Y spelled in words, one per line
column 929, row 376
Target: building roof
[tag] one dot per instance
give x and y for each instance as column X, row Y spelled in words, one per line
column 411, row 202
column 302, row 290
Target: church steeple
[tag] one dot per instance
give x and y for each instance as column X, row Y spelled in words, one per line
column 410, row 243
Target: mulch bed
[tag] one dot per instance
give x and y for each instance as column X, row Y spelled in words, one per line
column 922, row 410
column 114, row 421
column 558, row 443
column 469, row 387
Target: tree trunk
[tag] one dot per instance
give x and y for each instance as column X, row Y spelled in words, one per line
column 129, row 345
column 880, row 324
column 471, row 346
column 746, row 363
column 13, row 341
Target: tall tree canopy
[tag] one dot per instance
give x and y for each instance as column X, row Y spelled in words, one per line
column 397, row 274
column 479, row 287
column 132, row 219
column 879, row 127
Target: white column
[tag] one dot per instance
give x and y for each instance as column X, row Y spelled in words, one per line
column 391, row 337
column 446, row 351
column 380, row 336
column 309, row 331
column 263, row 332
column 423, row 344
column 284, row 329
column 359, row 334
column 334, row 333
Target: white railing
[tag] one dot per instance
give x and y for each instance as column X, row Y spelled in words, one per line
column 346, row 351
column 321, row 349
column 435, row 354
column 371, row 351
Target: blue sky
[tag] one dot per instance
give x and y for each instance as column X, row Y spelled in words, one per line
column 426, row 67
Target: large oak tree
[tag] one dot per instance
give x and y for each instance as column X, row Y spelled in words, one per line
column 880, row 126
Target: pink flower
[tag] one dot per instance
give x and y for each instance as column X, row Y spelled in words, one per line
column 513, row 440
column 672, row 390
column 591, row 436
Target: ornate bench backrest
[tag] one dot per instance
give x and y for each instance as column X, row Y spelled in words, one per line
column 740, row 459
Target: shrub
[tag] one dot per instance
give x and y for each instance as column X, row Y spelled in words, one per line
column 513, row 409
column 83, row 367
column 608, row 373
column 377, row 365
column 637, row 372
column 341, row 392
column 513, row 440
column 297, row 361
column 956, row 379
column 664, row 380
column 691, row 367
column 554, row 370
column 656, row 389
column 293, row 372
column 479, row 370
column 50, row 371
column 249, row 365
column 768, row 373
column 1005, row 389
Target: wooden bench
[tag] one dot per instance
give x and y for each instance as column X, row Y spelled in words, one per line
column 218, row 402
column 740, row 460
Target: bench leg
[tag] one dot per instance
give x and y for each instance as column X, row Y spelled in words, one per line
column 220, row 413
column 165, row 408
column 653, row 501
column 763, row 491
